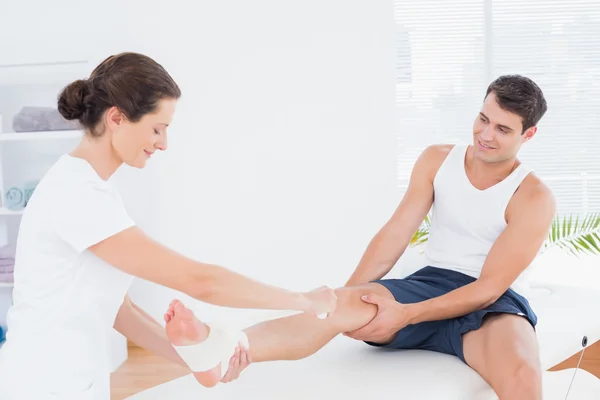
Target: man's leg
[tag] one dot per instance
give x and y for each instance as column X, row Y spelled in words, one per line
column 288, row 338
column 298, row 336
column 504, row 351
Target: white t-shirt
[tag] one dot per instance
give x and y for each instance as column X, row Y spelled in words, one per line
column 65, row 298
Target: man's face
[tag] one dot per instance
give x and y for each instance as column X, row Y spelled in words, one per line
column 497, row 133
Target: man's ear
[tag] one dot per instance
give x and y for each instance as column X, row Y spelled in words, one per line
column 529, row 134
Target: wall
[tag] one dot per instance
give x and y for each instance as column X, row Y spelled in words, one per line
column 281, row 161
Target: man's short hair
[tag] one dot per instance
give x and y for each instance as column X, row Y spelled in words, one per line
column 520, row 95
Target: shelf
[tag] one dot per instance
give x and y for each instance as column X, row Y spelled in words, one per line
column 44, row 73
column 6, row 211
column 49, row 135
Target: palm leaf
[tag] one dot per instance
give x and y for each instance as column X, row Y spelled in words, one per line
column 576, row 235
column 422, row 234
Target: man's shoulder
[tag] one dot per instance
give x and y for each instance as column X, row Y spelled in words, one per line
column 440, row 150
column 534, row 188
column 433, row 156
column 533, row 193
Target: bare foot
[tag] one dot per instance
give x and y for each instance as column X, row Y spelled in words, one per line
column 184, row 329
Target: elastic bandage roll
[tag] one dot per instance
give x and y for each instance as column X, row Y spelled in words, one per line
column 218, row 348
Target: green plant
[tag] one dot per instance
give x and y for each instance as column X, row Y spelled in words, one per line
column 579, row 235
column 575, row 234
column 422, row 234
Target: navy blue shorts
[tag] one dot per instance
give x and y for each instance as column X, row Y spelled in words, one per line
column 445, row 336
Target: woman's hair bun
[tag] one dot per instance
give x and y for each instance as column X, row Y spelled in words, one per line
column 71, row 101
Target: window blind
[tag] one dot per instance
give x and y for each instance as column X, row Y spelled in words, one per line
column 448, row 53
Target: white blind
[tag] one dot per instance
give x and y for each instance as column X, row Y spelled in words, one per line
column 447, row 54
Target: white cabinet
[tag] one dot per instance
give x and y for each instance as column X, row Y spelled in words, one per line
column 25, row 156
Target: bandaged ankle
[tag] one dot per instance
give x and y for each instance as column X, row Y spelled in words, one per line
column 218, row 348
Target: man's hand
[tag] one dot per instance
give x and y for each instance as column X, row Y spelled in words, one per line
column 240, row 360
column 391, row 317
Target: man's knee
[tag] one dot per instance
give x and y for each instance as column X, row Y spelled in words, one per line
column 351, row 309
column 349, row 299
column 525, row 380
column 528, row 373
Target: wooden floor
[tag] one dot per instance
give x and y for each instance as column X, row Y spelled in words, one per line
column 141, row 371
column 144, row 370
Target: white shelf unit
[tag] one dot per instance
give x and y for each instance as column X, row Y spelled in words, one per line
column 6, row 212
column 26, row 156
column 36, row 136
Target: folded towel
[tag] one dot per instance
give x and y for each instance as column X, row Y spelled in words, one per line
column 8, row 251
column 14, row 199
column 28, row 190
column 35, row 119
column 7, row 278
column 7, row 267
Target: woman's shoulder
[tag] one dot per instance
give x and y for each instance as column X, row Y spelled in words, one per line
column 74, row 171
column 69, row 179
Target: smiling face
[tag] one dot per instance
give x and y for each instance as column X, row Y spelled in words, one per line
column 497, row 133
column 134, row 143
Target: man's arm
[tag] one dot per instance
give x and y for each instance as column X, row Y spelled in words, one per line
column 137, row 326
column 393, row 238
column 529, row 221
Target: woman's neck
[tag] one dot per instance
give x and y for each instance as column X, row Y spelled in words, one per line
column 99, row 154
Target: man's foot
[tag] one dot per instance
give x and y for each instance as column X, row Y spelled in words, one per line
column 184, row 329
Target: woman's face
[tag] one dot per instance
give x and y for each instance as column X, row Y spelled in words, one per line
column 134, row 143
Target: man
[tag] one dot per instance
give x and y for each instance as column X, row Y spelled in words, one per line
column 491, row 216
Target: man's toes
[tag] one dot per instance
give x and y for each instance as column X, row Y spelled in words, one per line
column 183, row 312
column 174, row 302
column 178, row 308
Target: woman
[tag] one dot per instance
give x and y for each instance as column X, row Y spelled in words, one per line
column 78, row 250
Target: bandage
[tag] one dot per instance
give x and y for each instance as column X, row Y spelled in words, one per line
column 218, row 348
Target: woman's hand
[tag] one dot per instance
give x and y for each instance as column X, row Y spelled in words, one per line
column 240, row 361
column 321, row 301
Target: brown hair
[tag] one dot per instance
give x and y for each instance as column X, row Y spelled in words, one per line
column 520, row 95
column 132, row 82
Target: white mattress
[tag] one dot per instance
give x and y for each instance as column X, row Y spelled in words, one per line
column 350, row 370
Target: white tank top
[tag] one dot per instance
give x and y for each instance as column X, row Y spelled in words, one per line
column 467, row 221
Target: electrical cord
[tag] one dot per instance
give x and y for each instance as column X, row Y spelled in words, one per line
column 583, row 344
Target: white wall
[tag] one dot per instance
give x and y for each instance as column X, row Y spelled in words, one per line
column 281, row 163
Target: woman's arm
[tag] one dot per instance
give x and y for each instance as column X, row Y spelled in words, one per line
column 137, row 326
column 137, row 254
